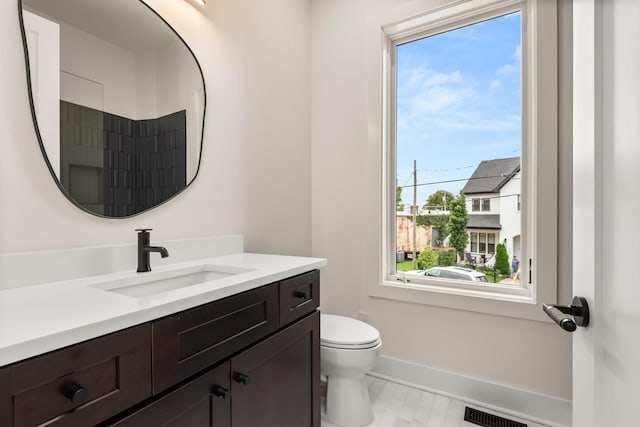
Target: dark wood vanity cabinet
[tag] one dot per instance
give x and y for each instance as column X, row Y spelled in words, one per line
column 275, row 383
column 249, row 360
column 79, row 385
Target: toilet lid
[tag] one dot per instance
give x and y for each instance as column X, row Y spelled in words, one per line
column 345, row 332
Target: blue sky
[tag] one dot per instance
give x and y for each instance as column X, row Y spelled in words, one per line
column 458, row 103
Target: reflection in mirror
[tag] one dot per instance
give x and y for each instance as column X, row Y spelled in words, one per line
column 118, row 101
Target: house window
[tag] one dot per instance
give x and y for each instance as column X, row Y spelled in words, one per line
column 467, row 108
column 482, row 243
column 482, row 246
column 491, row 243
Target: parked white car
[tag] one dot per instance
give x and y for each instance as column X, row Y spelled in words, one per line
column 459, row 273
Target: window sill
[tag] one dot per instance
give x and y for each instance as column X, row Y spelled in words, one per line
column 520, row 304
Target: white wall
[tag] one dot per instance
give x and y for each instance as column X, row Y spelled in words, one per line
column 346, row 159
column 44, row 38
column 110, row 67
column 256, row 150
column 510, row 217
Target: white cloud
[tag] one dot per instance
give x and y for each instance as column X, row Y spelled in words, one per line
column 517, row 54
column 422, row 77
column 495, row 83
column 513, row 67
column 507, row 69
column 439, row 98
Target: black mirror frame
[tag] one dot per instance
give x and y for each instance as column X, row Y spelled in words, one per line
column 39, row 136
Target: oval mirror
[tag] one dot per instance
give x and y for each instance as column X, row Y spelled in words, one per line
column 118, row 102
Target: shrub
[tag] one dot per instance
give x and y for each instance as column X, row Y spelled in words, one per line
column 428, row 258
column 502, row 260
column 446, row 258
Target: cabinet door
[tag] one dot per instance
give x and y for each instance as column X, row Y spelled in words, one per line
column 276, row 383
column 205, row 401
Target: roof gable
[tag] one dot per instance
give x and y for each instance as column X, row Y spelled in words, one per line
column 491, row 175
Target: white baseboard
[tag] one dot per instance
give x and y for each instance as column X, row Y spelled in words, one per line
column 519, row 403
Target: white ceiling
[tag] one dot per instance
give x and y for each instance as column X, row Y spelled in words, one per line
column 126, row 23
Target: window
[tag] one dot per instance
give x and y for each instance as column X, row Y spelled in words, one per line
column 491, row 245
column 486, row 205
column 482, row 243
column 482, row 247
column 474, row 242
column 466, row 109
column 458, row 92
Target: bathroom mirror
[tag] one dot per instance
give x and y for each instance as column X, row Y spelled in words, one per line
column 118, row 102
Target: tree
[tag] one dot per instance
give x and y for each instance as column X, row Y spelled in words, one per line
column 428, row 258
column 439, row 222
column 457, row 226
column 502, row 260
column 439, row 200
column 399, row 204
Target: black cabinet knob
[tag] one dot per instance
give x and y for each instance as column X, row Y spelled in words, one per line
column 74, row 392
column 219, row 391
column 241, row 378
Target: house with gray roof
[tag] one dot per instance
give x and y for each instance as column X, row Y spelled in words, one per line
column 493, row 203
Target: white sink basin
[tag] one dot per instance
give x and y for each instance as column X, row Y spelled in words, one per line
column 153, row 283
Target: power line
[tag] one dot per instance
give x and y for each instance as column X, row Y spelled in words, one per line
column 460, row 167
column 455, row 180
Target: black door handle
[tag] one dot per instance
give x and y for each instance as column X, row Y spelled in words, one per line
column 579, row 309
column 300, row 294
column 74, row 392
column 220, row 391
column 241, row 378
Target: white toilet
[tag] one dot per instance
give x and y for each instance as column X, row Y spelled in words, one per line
column 349, row 349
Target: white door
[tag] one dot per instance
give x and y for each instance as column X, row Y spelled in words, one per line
column 606, row 202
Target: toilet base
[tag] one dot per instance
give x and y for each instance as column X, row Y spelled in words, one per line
column 348, row 402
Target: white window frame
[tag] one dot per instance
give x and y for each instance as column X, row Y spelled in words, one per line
column 539, row 153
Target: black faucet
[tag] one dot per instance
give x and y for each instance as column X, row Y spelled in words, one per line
column 144, row 249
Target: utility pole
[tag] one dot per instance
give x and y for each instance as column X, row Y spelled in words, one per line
column 415, row 213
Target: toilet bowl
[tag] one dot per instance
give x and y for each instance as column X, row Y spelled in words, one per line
column 349, row 349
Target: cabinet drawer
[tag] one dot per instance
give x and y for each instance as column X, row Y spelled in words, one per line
column 205, row 401
column 191, row 341
column 79, row 385
column 299, row 295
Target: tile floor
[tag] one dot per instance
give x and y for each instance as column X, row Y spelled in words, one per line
column 397, row 405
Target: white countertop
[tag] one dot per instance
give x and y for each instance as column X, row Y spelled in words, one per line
column 40, row 318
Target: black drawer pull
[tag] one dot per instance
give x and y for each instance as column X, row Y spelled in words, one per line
column 301, row 294
column 241, row 378
column 219, row 391
column 74, row 392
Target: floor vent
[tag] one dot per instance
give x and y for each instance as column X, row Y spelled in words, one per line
column 488, row 420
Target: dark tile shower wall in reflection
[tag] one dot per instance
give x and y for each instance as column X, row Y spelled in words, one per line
column 115, row 166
